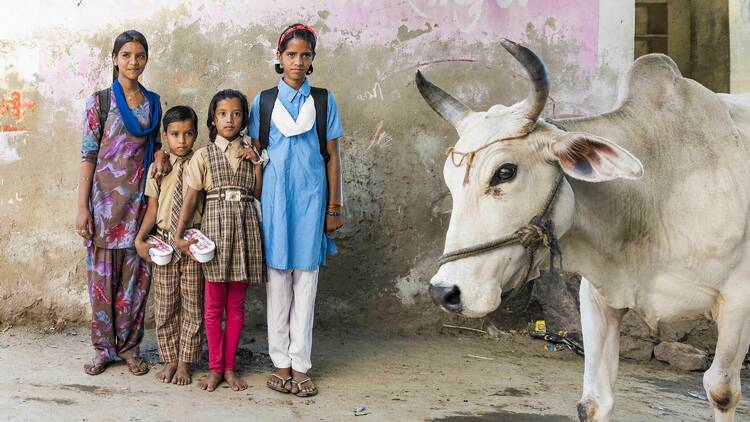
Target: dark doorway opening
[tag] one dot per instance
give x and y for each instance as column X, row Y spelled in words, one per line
column 694, row 33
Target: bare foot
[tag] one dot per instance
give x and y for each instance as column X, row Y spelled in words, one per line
column 210, row 382
column 302, row 385
column 182, row 376
column 166, row 374
column 235, row 382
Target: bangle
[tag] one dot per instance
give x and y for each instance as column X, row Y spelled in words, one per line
column 333, row 213
column 334, row 206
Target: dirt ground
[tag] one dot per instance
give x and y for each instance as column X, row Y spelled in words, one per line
column 448, row 377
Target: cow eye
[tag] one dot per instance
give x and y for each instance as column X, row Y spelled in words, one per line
column 504, row 173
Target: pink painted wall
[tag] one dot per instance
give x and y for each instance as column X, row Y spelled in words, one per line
column 459, row 20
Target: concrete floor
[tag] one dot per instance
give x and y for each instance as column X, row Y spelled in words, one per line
column 421, row 378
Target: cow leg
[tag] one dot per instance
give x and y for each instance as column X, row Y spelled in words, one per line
column 722, row 380
column 601, row 340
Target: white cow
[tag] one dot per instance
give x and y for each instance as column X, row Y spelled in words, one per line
column 665, row 235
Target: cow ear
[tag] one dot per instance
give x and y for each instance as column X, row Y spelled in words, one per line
column 594, row 159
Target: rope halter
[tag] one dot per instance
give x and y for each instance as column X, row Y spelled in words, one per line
column 469, row 156
column 538, row 233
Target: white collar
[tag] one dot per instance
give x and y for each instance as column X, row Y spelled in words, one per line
column 290, row 127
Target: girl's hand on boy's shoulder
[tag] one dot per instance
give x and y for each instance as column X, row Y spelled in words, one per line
column 184, row 246
column 161, row 166
column 142, row 248
column 247, row 154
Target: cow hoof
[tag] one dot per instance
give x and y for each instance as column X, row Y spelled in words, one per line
column 587, row 410
column 722, row 398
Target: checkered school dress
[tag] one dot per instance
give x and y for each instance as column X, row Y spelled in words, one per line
column 231, row 221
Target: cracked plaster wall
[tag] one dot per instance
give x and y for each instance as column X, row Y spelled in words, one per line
column 54, row 54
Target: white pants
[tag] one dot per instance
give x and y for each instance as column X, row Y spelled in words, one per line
column 291, row 305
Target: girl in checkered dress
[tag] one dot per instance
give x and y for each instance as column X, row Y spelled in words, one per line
column 230, row 219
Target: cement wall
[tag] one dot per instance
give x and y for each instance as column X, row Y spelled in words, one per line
column 709, row 51
column 739, row 40
column 54, row 54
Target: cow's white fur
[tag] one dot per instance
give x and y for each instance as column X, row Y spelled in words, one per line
column 672, row 245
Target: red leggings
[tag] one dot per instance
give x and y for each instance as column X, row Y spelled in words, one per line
column 222, row 346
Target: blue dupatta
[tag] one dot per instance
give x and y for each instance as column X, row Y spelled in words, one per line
column 134, row 128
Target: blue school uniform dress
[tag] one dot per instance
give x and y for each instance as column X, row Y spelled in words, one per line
column 295, row 189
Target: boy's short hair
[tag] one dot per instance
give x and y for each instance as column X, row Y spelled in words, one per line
column 178, row 114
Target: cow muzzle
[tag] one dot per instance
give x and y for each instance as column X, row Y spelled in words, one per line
column 448, row 298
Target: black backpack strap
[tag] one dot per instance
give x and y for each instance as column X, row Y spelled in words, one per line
column 267, row 101
column 105, row 98
column 320, row 98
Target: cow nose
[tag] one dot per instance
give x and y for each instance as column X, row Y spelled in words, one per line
column 447, row 297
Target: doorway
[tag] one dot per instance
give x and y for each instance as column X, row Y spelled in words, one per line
column 694, row 33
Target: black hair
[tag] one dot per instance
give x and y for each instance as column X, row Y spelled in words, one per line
column 226, row 94
column 179, row 114
column 121, row 40
column 299, row 34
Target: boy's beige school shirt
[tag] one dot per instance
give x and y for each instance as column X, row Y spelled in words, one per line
column 164, row 192
column 199, row 174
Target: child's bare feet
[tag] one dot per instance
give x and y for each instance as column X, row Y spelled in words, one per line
column 302, row 385
column 235, row 382
column 166, row 374
column 210, row 382
column 182, row 376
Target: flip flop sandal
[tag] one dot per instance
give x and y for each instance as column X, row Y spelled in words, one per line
column 96, row 367
column 281, row 389
column 136, row 367
column 301, row 393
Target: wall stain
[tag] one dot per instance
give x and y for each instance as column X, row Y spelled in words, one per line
column 404, row 34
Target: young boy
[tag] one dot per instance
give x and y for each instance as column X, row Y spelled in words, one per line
column 178, row 286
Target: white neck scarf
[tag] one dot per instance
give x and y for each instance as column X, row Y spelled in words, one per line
column 288, row 126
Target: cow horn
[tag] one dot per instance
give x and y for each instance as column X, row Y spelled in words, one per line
column 443, row 103
column 536, row 70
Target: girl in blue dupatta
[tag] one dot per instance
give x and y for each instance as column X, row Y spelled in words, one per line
column 117, row 146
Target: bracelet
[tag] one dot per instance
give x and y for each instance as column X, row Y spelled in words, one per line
column 334, row 206
column 333, row 213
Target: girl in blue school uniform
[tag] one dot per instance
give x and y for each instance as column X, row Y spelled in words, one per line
column 297, row 127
